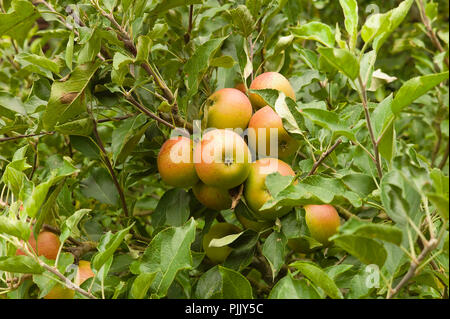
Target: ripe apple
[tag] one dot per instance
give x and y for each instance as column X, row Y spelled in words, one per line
column 228, row 108
column 218, row 254
column 84, row 272
column 255, row 191
column 222, row 159
column 260, row 128
column 60, row 292
column 322, row 221
column 212, row 197
column 270, row 80
column 47, row 245
column 175, row 163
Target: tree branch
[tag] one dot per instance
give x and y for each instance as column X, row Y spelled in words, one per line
column 10, row 138
column 323, row 156
column 363, row 96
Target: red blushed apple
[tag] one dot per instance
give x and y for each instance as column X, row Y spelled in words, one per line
column 47, row 245
column 228, row 108
column 222, row 159
column 212, row 197
column 255, row 191
column 261, row 124
column 84, row 272
column 175, row 163
column 270, row 80
column 322, row 221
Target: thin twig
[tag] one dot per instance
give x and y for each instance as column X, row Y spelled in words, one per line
column 444, row 159
column 413, row 267
column 187, row 36
column 108, row 165
column 323, row 156
column 430, row 32
column 363, row 95
column 4, row 139
column 144, row 110
column 117, row 118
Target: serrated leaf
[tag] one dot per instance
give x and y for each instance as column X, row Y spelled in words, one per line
column 342, row 60
column 316, row 31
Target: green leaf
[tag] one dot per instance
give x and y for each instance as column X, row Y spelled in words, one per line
column 224, row 241
column 350, row 9
column 20, row 264
column 126, row 137
column 81, row 127
column 319, row 278
column 65, row 99
column 242, row 20
column 25, row 59
column 367, row 250
column 330, row 121
column 223, row 283
column 414, row 88
column 441, row 203
column 312, row 190
column 382, row 118
column 69, row 51
column 141, row 285
column 19, row 22
column 273, row 249
column 165, row 5
column 372, row 230
column 107, row 246
column 199, row 62
column 224, row 61
column 291, row 288
column 342, row 60
column 316, row 31
column 69, row 226
column 168, row 252
column 99, row 185
column 172, row 208
column 16, row 228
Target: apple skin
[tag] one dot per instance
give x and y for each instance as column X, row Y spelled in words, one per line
column 270, row 80
column 241, row 87
column 213, row 168
column 218, row 254
column 175, row 174
column 266, row 118
column 84, row 272
column 60, row 292
column 322, row 221
column 255, row 191
column 212, row 197
column 228, row 108
column 47, row 245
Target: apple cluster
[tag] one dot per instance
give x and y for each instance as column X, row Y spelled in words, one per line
column 222, row 161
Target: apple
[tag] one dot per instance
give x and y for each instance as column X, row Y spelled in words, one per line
column 218, row 254
column 47, row 245
column 322, row 221
column 222, row 159
column 260, row 128
column 212, row 197
column 228, row 108
column 255, row 191
column 175, row 164
column 84, row 272
column 270, row 80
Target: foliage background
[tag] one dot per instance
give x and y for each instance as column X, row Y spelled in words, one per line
column 89, row 90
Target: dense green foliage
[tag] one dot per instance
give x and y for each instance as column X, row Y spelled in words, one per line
column 89, row 91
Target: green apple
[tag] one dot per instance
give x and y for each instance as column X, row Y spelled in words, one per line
column 218, row 254
column 222, row 159
column 255, row 191
column 175, row 164
column 228, row 108
column 212, row 197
